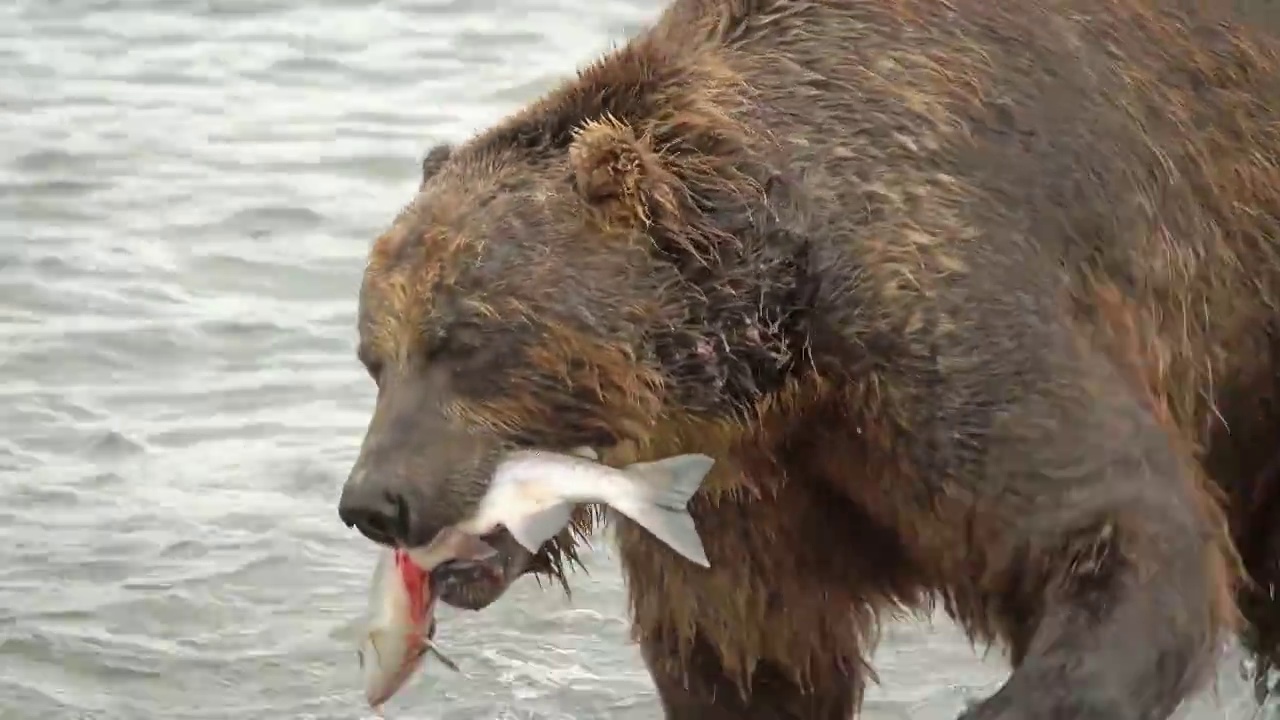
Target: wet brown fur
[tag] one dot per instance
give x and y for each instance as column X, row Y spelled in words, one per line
column 973, row 301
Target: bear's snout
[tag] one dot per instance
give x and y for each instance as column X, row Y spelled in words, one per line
column 379, row 510
column 418, row 470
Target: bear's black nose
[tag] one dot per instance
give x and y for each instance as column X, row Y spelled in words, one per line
column 380, row 514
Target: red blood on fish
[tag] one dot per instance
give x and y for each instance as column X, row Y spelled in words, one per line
column 417, row 584
column 402, row 622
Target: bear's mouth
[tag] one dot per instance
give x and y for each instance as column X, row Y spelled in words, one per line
column 475, row 584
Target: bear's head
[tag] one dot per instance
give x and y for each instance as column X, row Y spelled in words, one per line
column 600, row 269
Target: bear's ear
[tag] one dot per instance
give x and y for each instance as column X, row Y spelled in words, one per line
column 620, row 175
column 434, row 160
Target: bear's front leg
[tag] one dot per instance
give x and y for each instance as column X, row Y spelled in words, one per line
column 1103, row 558
column 701, row 690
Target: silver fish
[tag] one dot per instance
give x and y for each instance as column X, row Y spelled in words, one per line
column 450, row 544
column 533, row 494
column 400, row 626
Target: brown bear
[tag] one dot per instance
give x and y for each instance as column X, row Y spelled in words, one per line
column 974, row 301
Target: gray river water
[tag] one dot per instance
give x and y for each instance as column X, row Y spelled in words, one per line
column 187, row 191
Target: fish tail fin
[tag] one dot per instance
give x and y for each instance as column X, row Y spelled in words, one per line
column 670, row 483
column 662, row 505
column 675, row 528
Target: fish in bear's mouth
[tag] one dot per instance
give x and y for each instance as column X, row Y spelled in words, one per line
column 474, row 584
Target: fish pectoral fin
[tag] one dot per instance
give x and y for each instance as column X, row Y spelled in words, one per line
column 444, row 659
column 429, row 646
column 536, row 528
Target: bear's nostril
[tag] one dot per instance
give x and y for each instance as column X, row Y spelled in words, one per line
column 381, row 522
column 381, row 515
column 399, row 520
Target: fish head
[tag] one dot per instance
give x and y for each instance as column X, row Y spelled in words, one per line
column 387, row 660
column 501, row 310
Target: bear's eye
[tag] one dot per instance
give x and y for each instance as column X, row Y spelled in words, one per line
column 460, row 343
